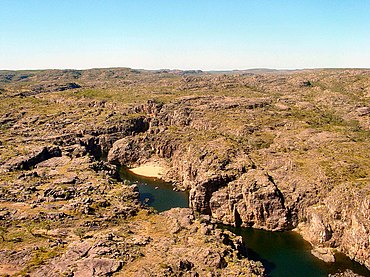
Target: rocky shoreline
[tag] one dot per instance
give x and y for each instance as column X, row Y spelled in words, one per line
column 260, row 150
column 243, row 194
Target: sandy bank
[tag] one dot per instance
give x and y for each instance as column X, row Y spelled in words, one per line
column 148, row 170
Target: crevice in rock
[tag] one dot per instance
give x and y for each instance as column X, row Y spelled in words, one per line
column 33, row 158
column 237, row 218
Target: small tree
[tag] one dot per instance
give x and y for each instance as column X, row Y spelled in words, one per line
column 46, row 224
column 80, row 232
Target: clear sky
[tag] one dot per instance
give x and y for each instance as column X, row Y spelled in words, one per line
column 184, row 34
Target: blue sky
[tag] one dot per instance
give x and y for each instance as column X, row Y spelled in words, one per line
column 184, row 34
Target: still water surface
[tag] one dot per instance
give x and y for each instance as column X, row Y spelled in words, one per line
column 283, row 254
column 287, row 254
column 156, row 193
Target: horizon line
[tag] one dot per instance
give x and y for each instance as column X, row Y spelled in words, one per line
column 191, row 69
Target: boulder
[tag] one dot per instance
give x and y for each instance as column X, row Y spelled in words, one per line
column 325, row 254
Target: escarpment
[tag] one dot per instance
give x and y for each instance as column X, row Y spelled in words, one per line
column 277, row 151
column 216, row 169
column 342, row 221
column 253, row 200
column 225, row 173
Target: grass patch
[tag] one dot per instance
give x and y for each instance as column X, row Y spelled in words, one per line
column 39, row 257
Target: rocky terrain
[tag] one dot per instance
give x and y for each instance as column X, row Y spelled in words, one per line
column 270, row 150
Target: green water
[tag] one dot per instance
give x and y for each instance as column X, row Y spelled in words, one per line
column 156, row 193
column 283, row 254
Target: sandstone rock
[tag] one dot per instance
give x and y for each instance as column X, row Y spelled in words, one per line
column 37, row 156
column 325, row 254
column 341, row 223
column 75, row 150
column 78, row 250
column 319, row 231
column 127, row 151
column 140, row 240
column 201, row 193
column 188, row 253
column 356, row 240
column 346, row 273
column 54, row 162
column 84, row 259
column 362, row 111
column 92, row 267
column 252, row 200
column 107, row 168
column 179, row 219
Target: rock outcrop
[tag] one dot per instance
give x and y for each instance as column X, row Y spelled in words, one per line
column 199, row 249
column 223, row 182
column 268, row 149
column 170, row 244
column 81, row 259
column 128, row 151
column 253, row 200
column 340, row 223
column 33, row 158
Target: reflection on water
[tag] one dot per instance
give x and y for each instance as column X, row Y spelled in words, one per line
column 287, row 254
column 156, row 193
column 283, row 254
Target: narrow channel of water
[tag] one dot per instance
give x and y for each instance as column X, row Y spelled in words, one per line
column 283, row 254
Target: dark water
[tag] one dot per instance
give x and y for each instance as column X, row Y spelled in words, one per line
column 283, row 254
column 287, row 254
column 156, row 193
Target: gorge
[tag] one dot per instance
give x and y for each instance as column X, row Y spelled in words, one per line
column 274, row 151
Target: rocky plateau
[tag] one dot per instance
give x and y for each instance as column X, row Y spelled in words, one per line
column 279, row 150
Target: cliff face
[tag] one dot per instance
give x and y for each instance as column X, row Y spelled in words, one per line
column 269, row 170
column 253, row 200
column 341, row 221
column 225, row 183
column 262, row 150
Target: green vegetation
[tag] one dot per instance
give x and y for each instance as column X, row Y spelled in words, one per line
column 80, row 232
column 310, row 138
column 39, row 257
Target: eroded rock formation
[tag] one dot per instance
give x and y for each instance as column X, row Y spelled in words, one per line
column 271, row 150
column 253, row 200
